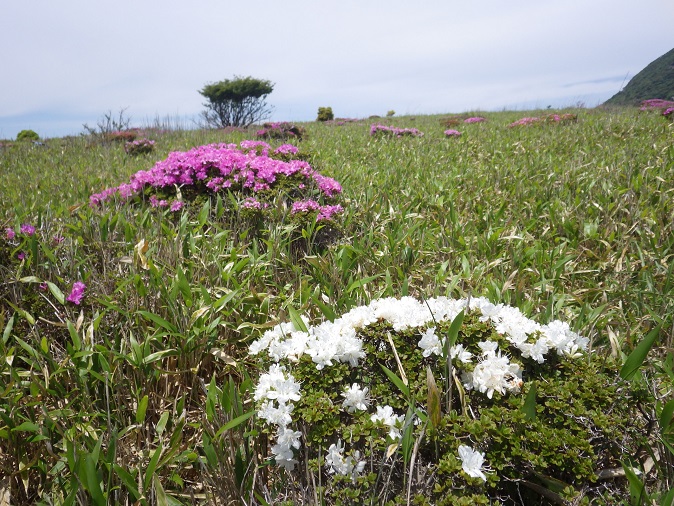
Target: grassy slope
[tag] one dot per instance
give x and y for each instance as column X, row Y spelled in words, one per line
column 567, row 221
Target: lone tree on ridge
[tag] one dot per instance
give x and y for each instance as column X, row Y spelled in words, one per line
column 236, row 102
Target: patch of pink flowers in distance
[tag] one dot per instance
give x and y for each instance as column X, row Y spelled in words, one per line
column 655, row 104
column 475, row 119
column 393, row 131
column 247, row 168
column 452, row 133
column 668, row 113
column 547, row 118
column 524, row 122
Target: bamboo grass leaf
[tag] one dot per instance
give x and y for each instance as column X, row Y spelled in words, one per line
column 636, row 358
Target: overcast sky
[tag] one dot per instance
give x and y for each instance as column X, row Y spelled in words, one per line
column 68, row 62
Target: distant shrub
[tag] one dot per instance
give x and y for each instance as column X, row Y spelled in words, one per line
column 452, row 133
column 669, row 113
column 451, row 121
column 475, row 119
column 389, row 131
column 281, row 131
column 325, row 114
column 547, row 118
column 139, row 147
column 121, row 136
column 655, row 104
column 390, row 113
column 525, row 122
column 27, row 135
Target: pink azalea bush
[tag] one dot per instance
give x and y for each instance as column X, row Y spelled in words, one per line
column 139, row 147
column 252, row 171
column 389, row 131
column 452, row 133
column 655, row 104
column 475, row 119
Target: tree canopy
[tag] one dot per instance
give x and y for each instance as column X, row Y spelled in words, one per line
column 236, row 102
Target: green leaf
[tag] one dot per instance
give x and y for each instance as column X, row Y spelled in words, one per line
column 159, row 321
column 636, row 358
column 453, row 332
column 142, row 408
column 638, row 495
column 666, row 415
column 161, row 424
column 529, row 407
column 151, row 468
column 360, row 282
column 56, row 292
column 159, row 492
column 396, row 381
column 235, row 422
column 77, row 342
column 296, row 319
column 27, row 427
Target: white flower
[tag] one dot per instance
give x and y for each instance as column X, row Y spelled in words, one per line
column 338, row 464
column 471, row 462
column 275, row 385
column 386, row 416
column 494, row 373
column 430, row 343
column 355, row 398
column 279, row 416
column 286, row 440
column 458, row 351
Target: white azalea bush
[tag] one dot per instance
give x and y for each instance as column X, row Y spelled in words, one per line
column 445, row 401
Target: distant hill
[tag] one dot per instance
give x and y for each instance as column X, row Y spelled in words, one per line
column 655, row 81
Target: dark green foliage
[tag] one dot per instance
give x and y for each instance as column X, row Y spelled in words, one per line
column 237, row 102
column 27, row 135
column 654, row 81
column 325, row 114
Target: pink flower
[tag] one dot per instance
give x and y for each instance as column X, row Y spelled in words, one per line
column 21, row 255
column 27, row 229
column 475, row 119
column 76, row 293
column 177, row 205
column 452, row 133
column 9, row 232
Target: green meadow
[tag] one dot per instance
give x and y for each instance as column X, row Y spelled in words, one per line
column 142, row 392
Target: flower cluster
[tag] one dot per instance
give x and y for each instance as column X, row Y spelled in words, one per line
column 547, row 118
column 475, row 119
column 139, row 147
column 280, row 130
column 529, row 120
column 248, row 168
column 486, row 367
column 452, row 133
column 323, row 212
column 669, row 113
column 655, row 104
column 77, row 293
column 471, row 462
column 394, row 132
column 275, row 391
column 346, row 466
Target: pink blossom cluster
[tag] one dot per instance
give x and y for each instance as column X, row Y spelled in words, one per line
column 475, row 119
column 668, row 113
column 396, row 132
column 77, row 293
column 452, row 133
column 247, row 167
column 280, row 130
column 524, row 122
column 324, row 212
column 253, row 203
column 139, row 146
column 655, row 104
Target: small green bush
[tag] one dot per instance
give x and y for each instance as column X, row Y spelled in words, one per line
column 27, row 135
column 390, row 113
column 325, row 114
